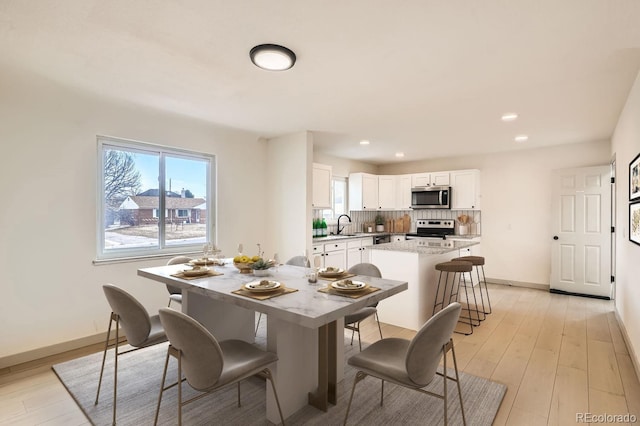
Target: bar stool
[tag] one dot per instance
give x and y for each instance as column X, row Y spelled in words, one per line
column 478, row 263
column 451, row 288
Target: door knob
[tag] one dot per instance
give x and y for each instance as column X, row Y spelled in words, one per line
column 555, row 237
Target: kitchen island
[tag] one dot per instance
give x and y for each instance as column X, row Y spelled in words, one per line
column 414, row 261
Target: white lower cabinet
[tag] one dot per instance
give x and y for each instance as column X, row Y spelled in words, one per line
column 358, row 251
column 331, row 254
column 397, row 238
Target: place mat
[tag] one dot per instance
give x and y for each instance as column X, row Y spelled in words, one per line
column 341, row 277
column 211, row 273
column 352, row 294
column 209, row 262
column 265, row 295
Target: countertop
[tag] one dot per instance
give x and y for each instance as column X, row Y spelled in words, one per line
column 377, row 234
column 426, row 246
column 352, row 236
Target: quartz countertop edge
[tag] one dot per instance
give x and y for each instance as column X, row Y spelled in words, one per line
column 412, row 246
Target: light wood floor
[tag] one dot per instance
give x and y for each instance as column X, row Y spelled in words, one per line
column 558, row 355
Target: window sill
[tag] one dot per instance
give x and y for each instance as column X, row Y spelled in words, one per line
column 131, row 259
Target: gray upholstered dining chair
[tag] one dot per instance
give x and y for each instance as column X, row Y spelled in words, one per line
column 352, row 321
column 175, row 293
column 413, row 363
column 207, row 364
column 294, row 261
column 299, row 261
column 141, row 331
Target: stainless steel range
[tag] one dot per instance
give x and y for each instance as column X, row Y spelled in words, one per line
column 434, row 228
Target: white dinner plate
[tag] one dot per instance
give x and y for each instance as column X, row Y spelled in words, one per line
column 330, row 272
column 262, row 285
column 204, row 262
column 196, row 272
column 349, row 285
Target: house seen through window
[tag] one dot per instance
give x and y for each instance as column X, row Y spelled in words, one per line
column 154, row 199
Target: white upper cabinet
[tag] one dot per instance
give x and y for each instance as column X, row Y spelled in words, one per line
column 363, row 191
column 430, row 179
column 440, row 179
column 387, row 192
column 372, row 192
column 403, row 197
column 393, row 192
column 465, row 188
column 420, row 179
column 321, row 186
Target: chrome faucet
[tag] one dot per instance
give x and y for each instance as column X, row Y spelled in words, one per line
column 340, row 229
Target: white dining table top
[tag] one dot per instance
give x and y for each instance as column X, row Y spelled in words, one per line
column 307, row 306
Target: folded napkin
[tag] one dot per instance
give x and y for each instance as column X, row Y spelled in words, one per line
column 351, row 294
column 210, row 273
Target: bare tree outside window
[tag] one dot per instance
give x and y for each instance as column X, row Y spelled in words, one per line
column 121, row 179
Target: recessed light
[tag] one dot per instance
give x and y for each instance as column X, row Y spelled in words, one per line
column 509, row 116
column 521, row 138
column 272, row 57
column 399, row 154
column 364, row 142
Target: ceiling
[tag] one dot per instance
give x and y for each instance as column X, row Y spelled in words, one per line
column 429, row 78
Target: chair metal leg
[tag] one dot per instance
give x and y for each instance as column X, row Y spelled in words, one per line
column 382, row 393
column 444, row 380
column 179, row 388
column 258, row 323
column 455, row 366
column 164, row 377
column 104, row 356
column 379, row 329
column 269, row 376
column 359, row 341
column 115, row 371
column 359, row 376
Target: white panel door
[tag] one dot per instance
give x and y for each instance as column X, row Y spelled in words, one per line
column 581, row 226
column 403, row 200
column 370, row 192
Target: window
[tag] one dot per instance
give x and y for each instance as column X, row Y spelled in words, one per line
column 339, row 199
column 153, row 200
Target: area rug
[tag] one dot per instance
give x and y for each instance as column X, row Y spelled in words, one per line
column 140, row 374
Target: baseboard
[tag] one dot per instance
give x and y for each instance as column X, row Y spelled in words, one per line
column 536, row 286
column 58, row 348
column 632, row 354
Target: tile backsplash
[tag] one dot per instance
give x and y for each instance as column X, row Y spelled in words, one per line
column 360, row 218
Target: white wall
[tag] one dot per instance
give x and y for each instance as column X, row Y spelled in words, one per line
column 516, row 203
column 51, row 291
column 342, row 167
column 625, row 144
column 289, row 192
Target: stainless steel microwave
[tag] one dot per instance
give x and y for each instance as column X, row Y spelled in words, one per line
column 433, row 197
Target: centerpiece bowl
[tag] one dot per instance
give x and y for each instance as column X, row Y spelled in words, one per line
column 244, row 267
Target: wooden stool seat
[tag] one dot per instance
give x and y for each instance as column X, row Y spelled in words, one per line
column 455, row 266
column 475, row 260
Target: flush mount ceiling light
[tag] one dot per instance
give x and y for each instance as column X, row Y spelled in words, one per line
column 272, row 57
column 509, row 116
column 364, row 142
column 399, row 154
column 521, row 138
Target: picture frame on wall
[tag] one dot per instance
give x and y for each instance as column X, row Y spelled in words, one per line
column 634, row 222
column 634, row 179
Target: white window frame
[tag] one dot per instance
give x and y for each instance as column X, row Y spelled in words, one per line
column 162, row 249
column 330, row 214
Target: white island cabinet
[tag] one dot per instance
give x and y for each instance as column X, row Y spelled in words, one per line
column 408, row 261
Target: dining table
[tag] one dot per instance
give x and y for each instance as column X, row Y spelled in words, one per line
column 305, row 322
